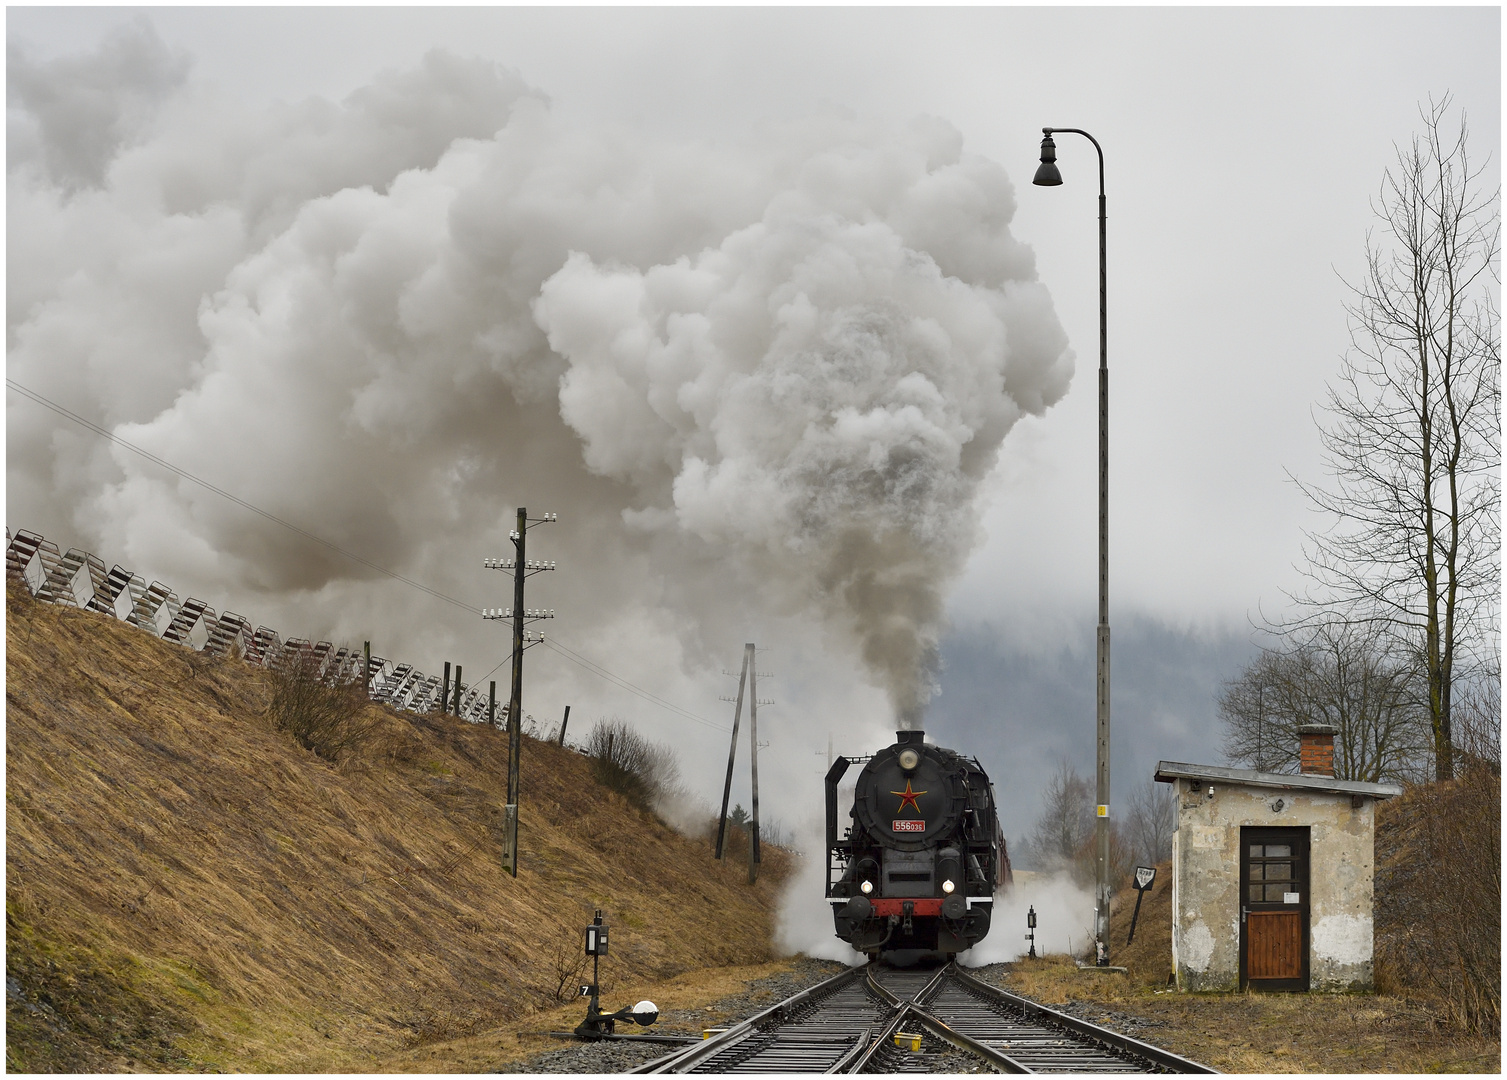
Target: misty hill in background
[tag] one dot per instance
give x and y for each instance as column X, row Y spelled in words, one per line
column 187, row 888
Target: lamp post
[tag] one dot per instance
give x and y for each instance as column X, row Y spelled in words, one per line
column 1048, row 176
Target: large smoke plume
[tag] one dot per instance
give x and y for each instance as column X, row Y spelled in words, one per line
column 759, row 379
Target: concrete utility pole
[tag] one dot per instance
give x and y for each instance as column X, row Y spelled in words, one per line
column 732, row 750
column 522, row 639
column 753, row 757
column 748, row 678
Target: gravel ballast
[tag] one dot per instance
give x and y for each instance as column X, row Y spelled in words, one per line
column 614, row 1057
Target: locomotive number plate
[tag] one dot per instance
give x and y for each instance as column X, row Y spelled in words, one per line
column 908, row 826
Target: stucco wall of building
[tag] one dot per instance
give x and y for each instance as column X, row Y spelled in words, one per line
column 1206, row 882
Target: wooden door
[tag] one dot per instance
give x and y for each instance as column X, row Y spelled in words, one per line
column 1274, row 875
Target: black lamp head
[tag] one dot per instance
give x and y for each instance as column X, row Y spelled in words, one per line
column 1047, row 174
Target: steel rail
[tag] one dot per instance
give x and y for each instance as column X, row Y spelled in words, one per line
column 693, row 1055
column 1162, row 1059
column 877, row 985
column 950, row 1005
column 910, row 1011
column 844, row 1064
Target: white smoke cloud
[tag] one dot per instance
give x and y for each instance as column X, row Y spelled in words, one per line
column 1064, row 920
column 803, row 921
column 759, row 380
column 69, row 117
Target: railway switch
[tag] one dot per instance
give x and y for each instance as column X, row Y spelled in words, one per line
column 600, row 1025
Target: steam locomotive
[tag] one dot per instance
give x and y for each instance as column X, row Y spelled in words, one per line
column 918, row 867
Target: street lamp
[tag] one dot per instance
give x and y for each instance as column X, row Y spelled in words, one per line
column 1048, row 176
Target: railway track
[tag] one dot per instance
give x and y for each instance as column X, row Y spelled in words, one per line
column 885, row 1020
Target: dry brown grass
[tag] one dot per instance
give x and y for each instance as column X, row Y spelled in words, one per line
column 1439, row 895
column 507, row 1045
column 188, row 888
column 1260, row 1033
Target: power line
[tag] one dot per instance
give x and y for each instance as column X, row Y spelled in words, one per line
column 601, row 672
column 563, row 650
column 112, row 437
column 577, row 658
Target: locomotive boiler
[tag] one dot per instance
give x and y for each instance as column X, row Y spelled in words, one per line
column 918, row 866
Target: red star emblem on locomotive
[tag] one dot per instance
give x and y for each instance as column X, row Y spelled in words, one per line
column 908, row 796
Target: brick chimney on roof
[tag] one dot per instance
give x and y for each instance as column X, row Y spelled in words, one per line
column 1316, row 750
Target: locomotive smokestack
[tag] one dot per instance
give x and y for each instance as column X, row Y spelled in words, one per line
column 915, row 735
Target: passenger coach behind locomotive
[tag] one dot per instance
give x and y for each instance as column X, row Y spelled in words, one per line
column 918, row 866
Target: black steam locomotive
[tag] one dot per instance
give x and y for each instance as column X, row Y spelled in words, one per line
column 918, row 867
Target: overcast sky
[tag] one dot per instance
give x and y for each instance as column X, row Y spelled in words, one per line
column 185, row 218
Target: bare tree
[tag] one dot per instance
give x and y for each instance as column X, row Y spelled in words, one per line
column 1343, row 676
column 628, row 763
column 1411, row 432
column 565, row 964
column 330, row 716
column 1065, row 828
column 1477, row 719
column 1150, row 821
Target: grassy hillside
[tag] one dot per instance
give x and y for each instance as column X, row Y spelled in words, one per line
column 187, row 888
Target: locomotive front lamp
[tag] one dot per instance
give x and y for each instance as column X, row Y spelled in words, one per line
column 909, row 759
column 948, row 886
column 867, row 887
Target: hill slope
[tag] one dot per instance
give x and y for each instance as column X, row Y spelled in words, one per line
column 188, row 888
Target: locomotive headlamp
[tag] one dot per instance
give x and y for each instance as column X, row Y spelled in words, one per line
column 909, row 759
column 867, row 887
column 948, row 886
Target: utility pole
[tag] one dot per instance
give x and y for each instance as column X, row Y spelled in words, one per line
column 747, row 678
column 522, row 639
column 818, row 753
column 753, row 757
column 732, row 750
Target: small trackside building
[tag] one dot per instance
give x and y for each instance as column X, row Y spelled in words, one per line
column 1272, row 874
